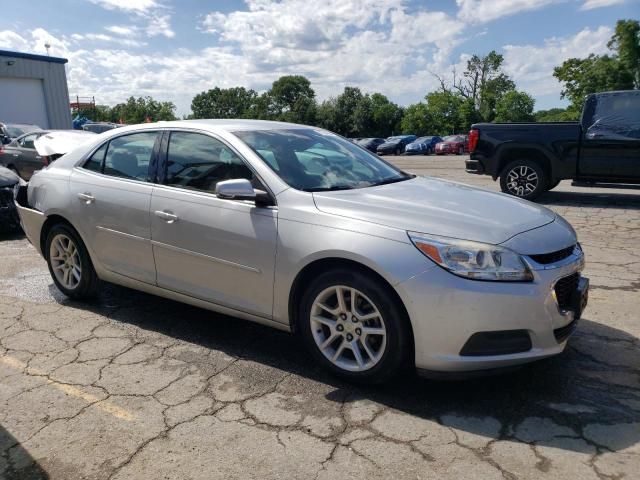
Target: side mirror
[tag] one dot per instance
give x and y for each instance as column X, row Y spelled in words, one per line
column 237, row 189
column 241, row 189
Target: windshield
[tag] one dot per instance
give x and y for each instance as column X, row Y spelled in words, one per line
column 423, row 140
column 314, row 160
column 453, row 138
column 17, row 130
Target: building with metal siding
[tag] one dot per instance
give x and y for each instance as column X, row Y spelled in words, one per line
column 33, row 89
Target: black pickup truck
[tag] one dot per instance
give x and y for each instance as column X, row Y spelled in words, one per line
column 531, row 158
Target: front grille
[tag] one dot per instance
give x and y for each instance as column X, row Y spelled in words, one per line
column 564, row 290
column 547, row 258
column 6, row 197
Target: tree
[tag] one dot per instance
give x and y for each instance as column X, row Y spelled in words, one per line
column 515, row 106
column 293, row 100
column 598, row 73
column 626, row 42
column 417, row 120
column 143, row 109
column 556, row 115
column 443, row 109
column 386, row 116
column 236, row 102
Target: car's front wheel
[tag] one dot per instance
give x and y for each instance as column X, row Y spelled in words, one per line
column 354, row 327
column 524, row 179
column 69, row 263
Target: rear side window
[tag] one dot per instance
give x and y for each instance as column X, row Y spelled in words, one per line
column 615, row 117
column 129, row 156
column 199, row 162
column 95, row 161
column 27, row 142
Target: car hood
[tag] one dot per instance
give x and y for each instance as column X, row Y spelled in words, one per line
column 415, row 145
column 59, row 142
column 449, row 143
column 8, row 178
column 438, row 207
column 389, row 144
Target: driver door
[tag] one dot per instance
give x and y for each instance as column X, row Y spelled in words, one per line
column 221, row 251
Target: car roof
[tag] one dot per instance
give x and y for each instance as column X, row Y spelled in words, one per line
column 230, row 125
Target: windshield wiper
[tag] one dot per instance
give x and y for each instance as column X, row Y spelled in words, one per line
column 328, row 189
column 393, row 180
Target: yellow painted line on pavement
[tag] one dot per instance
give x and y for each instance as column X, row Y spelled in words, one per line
column 71, row 390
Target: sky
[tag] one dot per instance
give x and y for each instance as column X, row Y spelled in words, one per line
column 173, row 49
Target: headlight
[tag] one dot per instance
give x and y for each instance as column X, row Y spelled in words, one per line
column 477, row 261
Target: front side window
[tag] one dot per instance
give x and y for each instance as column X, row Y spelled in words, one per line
column 27, row 141
column 129, row 156
column 196, row 161
column 313, row 160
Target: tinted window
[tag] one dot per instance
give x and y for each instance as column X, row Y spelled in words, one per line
column 616, row 117
column 313, row 160
column 95, row 162
column 129, row 156
column 27, row 141
column 199, row 162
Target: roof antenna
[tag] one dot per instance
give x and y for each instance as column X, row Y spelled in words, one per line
column 47, row 45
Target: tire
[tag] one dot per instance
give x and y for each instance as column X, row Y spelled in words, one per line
column 554, row 184
column 82, row 279
column 383, row 356
column 461, row 151
column 524, row 179
column 398, row 151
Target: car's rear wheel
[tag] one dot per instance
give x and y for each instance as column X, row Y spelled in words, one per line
column 354, row 327
column 524, row 179
column 69, row 263
column 398, row 151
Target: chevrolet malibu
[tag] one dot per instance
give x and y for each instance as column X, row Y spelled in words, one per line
column 291, row 226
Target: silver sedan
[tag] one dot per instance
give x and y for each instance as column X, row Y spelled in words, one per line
column 297, row 228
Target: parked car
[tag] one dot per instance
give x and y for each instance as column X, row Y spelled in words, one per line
column 370, row 144
column 11, row 131
column 531, row 158
column 8, row 214
column 373, row 268
column 99, row 127
column 423, row 146
column 395, row 145
column 453, row 145
column 21, row 156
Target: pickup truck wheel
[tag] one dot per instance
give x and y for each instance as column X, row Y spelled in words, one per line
column 524, row 179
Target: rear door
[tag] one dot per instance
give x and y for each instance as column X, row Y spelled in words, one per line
column 222, row 251
column 610, row 147
column 112, row 194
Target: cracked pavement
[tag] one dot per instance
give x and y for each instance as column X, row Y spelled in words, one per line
column 135, row 386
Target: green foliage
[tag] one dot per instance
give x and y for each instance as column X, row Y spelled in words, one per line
column 600, row 73
column 142, row 109
column 515, row 106
column 557, row 115
column 236, row 102
column 443, row 109
column 292, row 100
column 417, row 120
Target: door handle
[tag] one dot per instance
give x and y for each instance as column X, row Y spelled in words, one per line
column 86, row 198
column 166, row 216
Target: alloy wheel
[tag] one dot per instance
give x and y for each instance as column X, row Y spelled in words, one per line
column 522, row 180
column 65, row 261
column 348, row 328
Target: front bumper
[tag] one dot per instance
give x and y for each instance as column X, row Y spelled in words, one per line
column 446, row 311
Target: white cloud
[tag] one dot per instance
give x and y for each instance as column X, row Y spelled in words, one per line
column 122, row 31
column 128, row 5
column 481, row 11
column 592, row 4
column 531, row 66
column 160, row 25
column 101, row 37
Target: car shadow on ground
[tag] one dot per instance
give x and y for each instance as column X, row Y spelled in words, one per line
column 596, row 381
column 23, row 466
column 587, row 198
